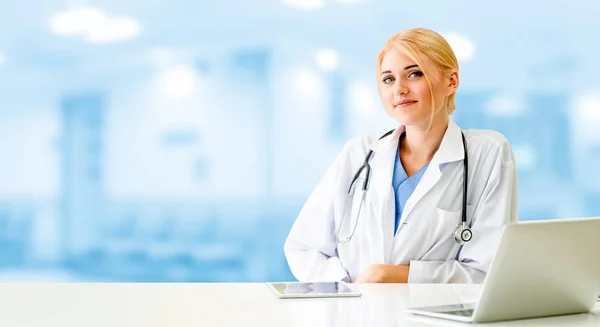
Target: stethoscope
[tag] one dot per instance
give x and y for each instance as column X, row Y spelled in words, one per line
column 462, row 234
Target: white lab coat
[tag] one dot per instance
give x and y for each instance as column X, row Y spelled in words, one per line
column 425, row 237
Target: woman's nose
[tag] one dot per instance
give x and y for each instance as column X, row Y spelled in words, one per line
column 400, row 89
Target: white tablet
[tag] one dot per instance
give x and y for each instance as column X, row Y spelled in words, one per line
column 295, row 290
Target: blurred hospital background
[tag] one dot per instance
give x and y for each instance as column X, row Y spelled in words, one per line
column 177, row 140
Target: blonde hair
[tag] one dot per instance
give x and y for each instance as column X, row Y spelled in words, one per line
column 415, row 42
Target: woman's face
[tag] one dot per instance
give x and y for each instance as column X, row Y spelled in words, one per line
column 405, row 93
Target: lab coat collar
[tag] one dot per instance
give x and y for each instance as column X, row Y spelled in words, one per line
column 450, row 150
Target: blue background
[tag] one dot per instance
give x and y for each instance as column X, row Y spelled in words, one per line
column 177, row 140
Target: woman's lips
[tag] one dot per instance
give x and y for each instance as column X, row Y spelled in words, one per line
column 404, row 103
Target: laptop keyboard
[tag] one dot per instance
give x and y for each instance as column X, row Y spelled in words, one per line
column 465, row 312
column 469, row 312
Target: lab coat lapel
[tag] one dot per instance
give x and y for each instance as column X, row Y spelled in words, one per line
column 430, row 178
column 450, row 150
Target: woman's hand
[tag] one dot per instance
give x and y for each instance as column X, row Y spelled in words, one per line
column 384, row 274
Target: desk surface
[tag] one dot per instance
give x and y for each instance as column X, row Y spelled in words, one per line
column 240, row 305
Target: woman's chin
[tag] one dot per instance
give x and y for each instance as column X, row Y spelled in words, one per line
column 406, row 119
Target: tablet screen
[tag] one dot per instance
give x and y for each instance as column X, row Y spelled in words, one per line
column 313, row 289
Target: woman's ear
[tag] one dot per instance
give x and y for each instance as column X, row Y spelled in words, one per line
column 452, row 82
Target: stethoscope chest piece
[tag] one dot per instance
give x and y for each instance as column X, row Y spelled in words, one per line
column 463, row 234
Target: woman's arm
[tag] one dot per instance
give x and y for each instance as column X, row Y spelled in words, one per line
column 311, row 246
column 384, row 274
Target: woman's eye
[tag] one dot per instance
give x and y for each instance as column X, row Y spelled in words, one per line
column 387, row 80
column 415, row 74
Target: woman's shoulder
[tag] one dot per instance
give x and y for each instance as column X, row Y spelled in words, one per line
column 357, row 146
column 488, row 142
column 366, row 139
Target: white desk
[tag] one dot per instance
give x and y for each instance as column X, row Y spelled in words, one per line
column 204, row 305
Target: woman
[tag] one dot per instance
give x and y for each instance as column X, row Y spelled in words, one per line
column 407, row 226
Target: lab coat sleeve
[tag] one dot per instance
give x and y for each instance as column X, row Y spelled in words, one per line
column 311, row 246
column 499, row 206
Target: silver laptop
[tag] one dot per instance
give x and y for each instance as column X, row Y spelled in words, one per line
column 541, row 268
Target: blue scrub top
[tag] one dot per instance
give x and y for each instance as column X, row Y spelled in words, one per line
column 403, row 185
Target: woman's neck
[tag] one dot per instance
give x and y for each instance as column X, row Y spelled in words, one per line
column 420, row 144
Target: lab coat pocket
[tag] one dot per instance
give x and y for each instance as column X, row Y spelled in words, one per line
column 443, row 224
column 454, row 217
